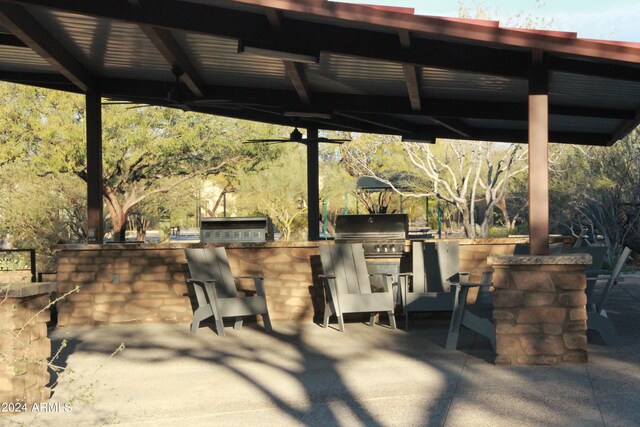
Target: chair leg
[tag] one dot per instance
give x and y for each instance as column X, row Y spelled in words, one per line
column 267, row 322
column 201, row 313
column 456, row 318
column 219, row 326
column 340, row 322
column 392, row 320
column 372, row 319
column 328, row 311
column 238, row 323
column 406, row 319
column 480, row 325
column 194, row 326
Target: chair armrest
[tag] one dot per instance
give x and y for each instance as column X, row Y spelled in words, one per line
column 248, row 277
column 471, row 284
column 200, row 281
column 596, row 273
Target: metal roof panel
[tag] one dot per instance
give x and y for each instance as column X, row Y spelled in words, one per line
column 219, row 63
column 106, row 47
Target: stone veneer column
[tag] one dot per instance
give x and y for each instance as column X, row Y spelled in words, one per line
column 539, row 309
column 24, row 344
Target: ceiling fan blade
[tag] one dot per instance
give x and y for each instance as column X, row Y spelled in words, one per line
column 326, row 140
column 253, row 141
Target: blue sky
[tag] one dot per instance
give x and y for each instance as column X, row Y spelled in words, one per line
column 599, row 19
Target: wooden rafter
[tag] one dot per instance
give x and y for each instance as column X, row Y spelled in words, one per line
column 214, row 20
column 26, row 28
column 172, row 52
column 295, row 70
column 218, row 21
column 296, row 74
column 411, row 74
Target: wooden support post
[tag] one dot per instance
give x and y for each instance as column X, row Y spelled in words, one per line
column 538, row 156
column 95, row 219
column 313, row 186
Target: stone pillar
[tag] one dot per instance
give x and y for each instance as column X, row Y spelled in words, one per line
column 25, row 346
column 540, row 309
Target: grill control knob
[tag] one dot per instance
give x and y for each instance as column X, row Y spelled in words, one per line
column 393, row 248
column 377, row 248
column 385, row 248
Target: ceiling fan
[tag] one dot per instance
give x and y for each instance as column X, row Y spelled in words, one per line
column 175, row 99
column 296, row 136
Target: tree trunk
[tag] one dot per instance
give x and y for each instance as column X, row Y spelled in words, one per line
column 467, row 222
column 117, row 213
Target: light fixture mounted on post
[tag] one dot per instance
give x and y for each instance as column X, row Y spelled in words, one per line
column 278, row 52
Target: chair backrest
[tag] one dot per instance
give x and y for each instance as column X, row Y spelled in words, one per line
column 346, row 262
column 212, row 264
column 613, row 278
column 438, row 262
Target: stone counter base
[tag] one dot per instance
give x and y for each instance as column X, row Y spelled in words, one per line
column 539, row 312
column 149, row 285
column 25, row 348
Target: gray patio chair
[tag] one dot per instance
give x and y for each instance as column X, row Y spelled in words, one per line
column 477, row 317
column 597, row 319
column 347, row 285
column 216, row 292
column 435, row 267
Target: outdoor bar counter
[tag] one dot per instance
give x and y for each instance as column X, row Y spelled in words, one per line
column 539, row 308
column 139, row 283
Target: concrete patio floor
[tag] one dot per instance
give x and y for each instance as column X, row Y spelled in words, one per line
column 305, row 375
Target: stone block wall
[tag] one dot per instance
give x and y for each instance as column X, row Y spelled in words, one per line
column 25, row 348
column 540, row 315
column 121, row 285
column 136, row 283
column 147, row 283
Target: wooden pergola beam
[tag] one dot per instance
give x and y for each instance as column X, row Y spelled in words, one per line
column 313, row 186
column 327, row 102
column 538, row 156
column 95, row 215
column 26, row 28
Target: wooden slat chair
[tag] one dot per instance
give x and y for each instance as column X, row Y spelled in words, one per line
column 435, row 267
column 597, row 319
column 347, row 285
column 216, row 292
column 477, row 317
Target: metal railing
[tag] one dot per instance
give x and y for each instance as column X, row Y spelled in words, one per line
column 32, row 254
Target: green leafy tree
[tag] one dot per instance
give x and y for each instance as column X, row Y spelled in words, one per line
column 146, row 151
column 279, row 191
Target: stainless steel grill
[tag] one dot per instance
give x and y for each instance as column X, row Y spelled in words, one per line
column 236, row 230
column 381, row 235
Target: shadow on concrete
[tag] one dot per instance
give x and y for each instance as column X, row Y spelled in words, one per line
column 302, row 374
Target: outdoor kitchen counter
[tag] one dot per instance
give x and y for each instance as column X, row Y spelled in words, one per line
column 146, row 283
